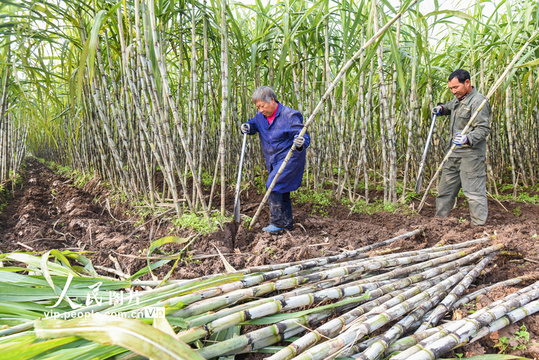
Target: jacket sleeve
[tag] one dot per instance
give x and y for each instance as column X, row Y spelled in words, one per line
column 447, row 108
column 480, row 127
column 253, row 129
column 296, row 125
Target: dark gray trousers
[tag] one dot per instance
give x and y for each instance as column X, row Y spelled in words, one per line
column 468, row 173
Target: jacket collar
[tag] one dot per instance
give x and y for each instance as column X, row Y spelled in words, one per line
column 279, row 108
column 468, row 96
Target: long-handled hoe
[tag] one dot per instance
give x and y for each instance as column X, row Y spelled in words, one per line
column 424, row 157
column 237, row 198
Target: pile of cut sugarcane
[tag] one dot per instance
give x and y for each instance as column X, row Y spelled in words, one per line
column 315, row 309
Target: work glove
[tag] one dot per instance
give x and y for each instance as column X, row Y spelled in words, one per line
column 298, row 141
column 437, row 110
column 460, row 139
column 245, row 128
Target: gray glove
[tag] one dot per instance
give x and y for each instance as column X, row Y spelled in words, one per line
column 245, row 128
column 437, row 110
column 298, row 141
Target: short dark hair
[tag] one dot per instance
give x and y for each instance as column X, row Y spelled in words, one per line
column 461, row 75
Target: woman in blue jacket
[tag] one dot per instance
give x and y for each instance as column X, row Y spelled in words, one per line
column 278, row 127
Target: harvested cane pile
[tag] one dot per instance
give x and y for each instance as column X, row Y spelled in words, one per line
column 325, row 307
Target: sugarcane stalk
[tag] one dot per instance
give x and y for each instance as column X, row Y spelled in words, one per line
column 306, row 299
column 358, row 331
column 168, row 95
column 317, row 109
column 471, row 326
column 514, row 281
column 447, row 304
column 511, row 318
column 454, row 326
column 375, row 350
column 312, row 338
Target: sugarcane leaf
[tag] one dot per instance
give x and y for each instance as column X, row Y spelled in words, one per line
column 131, row 334
column 494, row 357
column 270, row 349
column 146, row 269
column 229, row 268
column 30, row 350
column 81, row 350
column 46, row 273
column 531, row 63
column 17, row 340
column 83, row 260
column 162, row 324
column 166, row 240
column 36, row 262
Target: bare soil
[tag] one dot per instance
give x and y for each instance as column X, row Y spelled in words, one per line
column 48, row 212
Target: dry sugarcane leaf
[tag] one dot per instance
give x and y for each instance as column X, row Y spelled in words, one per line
column 228, row 267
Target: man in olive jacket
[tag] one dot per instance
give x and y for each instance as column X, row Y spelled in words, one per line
column 466, row 166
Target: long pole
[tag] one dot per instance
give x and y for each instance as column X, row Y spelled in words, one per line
column 489, row 95
column 329, row 90
column 424, row 157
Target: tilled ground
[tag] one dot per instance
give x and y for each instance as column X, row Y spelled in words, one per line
column 48, row 212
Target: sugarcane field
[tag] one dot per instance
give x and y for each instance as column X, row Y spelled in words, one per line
column 269, row 179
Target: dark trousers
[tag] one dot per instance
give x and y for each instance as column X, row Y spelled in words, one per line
column 281, row 210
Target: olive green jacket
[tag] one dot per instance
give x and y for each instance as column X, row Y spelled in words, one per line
column 477, row 133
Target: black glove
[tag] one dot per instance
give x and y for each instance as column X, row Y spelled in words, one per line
column 245, row 128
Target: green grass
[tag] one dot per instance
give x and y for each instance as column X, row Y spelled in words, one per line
column 520, row 341
column 320, row 200
column 198, row 223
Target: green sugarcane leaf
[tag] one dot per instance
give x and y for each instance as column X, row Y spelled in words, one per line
column 146, row 269
column 83, row 260
column 495, row 357
column 82, row 351
column 21, row 280
column 17, row 340
column 166, row 240
column 30, row 350
column 11, row 269
column 36, row 262
column 131, row 334
column 531, row 63
column 46, row 273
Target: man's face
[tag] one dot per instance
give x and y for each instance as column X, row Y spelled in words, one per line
column 459, row 89
column 267, row 109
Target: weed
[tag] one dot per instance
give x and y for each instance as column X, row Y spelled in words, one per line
column 206, row 178
column 376, row 206
column 520, row 341
column 199, row 223
column 260, row 185
column 462, row 220
column 471, row 308
column 320, row 200
column 517, row 211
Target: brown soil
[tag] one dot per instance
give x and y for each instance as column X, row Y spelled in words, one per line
column 48, row 212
